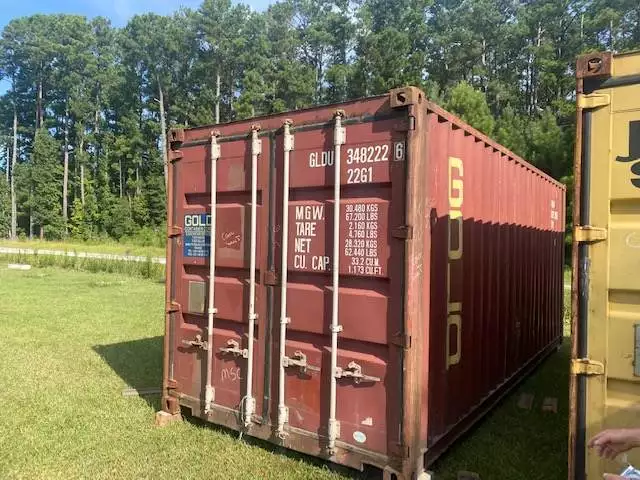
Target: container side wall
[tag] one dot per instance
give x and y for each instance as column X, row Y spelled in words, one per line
column 496, row 274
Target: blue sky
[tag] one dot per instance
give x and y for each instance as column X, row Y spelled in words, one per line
column 119, row 11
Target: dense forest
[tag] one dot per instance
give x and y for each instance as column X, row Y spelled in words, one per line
column 83, row 117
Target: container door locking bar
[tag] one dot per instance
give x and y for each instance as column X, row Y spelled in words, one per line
column 283, row 410
column 209, row 393
column 256, row 149
column 339, row 139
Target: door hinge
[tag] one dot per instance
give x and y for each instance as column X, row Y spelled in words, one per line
column 593, row 100
column 173, row 307
column 401, row 340
column 587, row 233
column 403, row 232
column 175, row 155
column 586, row 366
column 174, row 231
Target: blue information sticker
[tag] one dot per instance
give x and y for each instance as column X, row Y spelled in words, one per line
column 197, row 239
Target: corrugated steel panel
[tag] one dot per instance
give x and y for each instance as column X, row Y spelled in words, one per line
column 449, row 278
column 605, row 387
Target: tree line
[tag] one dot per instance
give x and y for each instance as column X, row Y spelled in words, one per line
column 83, row 120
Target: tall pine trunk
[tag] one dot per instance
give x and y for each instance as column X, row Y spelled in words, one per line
column 96, row 131
column 217, row 98
column 65, row 181
column 81, row 152
column 120, row 172
column 163, row 134
column 31, row 212
column 14, row 160
column 534, row 79
column 39, row 118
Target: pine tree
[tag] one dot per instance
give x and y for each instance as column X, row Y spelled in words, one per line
column 78, row 223
column 471, row 105
column 107, row 95
column 46, row 177
column 510, row 131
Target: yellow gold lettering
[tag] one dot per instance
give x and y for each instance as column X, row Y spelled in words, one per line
column 454, row 252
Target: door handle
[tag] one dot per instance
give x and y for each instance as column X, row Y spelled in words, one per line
column 197, row 342
column 299, row 360
column 354, row 371
column 233, row 348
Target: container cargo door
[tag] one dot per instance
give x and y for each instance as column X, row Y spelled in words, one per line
column 288, row 278
column 217, row 270
column 605, row 390
column 341, row 289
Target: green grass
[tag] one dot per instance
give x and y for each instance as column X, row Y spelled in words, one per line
column 146, row 269
column 72, row 340
column 111, row 247
column 512, row 443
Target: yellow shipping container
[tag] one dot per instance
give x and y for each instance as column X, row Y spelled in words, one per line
column 605, row 380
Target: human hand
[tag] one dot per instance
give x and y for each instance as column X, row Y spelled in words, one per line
column 611, row 443
column 609, row 476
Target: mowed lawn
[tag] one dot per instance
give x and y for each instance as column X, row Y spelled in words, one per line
column 71, row 341
column 113, row 248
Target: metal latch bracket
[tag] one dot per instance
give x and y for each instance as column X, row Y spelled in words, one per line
column 175, row 155
column 587, row 233
column 586, row 366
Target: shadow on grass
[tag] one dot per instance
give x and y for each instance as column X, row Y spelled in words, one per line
column 138, row 363
column 344, row 472
column 510, row 438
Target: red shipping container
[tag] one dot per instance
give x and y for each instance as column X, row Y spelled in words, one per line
column 386, row 315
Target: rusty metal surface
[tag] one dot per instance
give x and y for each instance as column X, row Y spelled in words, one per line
column 573, row 380
column 173, row 232
column 594, row 65
column 435, row 239
column 496, row 271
